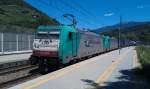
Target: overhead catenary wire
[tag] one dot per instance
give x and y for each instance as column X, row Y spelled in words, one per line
column 61, row 10
column 83, row 9
column 77, row 10
column 80, row 11
column 53, row 4
column 50, row 5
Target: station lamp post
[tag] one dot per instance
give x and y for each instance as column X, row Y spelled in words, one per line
column 119, row 34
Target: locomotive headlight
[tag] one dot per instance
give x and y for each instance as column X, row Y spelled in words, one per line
column 35, row 45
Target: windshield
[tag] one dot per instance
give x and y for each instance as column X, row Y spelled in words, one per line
column 47, row 35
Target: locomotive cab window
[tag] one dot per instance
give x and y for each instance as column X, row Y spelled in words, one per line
column 70, row 35
column 47, row 35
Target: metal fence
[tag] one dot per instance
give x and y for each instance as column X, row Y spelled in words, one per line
column 15, row 42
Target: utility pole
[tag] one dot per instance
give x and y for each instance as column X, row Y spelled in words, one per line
column 74, row 22
column 119, row 34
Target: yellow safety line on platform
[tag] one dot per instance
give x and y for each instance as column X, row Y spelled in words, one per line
column 59, row 74
column 105, row 75
column 49, row 78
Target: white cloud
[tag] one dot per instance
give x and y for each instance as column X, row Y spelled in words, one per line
column 109, row 14
column 140, row 7
column 143, row 6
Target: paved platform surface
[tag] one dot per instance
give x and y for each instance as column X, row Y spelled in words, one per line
column 14, row 58
column 107, row 71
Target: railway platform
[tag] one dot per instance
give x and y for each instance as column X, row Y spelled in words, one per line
column 12, row 60
column 107, row 71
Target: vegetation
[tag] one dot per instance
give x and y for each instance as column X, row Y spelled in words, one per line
column 143, row 53
column 18, row 14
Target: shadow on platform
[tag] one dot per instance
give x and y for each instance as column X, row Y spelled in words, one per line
column 129, row 79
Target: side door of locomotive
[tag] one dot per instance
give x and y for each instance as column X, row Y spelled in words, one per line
column 73, row 39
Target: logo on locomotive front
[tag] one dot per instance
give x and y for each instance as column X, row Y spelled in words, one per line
column 46, row 42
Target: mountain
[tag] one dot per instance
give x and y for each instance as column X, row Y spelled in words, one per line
column 18, row 16
column 124, row 26
column 140, row 32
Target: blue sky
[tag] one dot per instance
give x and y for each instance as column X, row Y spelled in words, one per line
column 95, row 13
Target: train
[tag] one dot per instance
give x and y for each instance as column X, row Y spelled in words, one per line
column 60, row 45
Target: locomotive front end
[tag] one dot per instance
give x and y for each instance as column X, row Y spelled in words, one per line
column 46, row 44
column 54, row 46
column 45, row 47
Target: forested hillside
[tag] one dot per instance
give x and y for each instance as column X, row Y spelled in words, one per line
column 137, row 33
column 18, row 16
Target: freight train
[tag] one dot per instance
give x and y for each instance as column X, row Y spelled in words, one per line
column 59, row 45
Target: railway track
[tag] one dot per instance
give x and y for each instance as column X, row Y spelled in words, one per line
column 10, row 75
column 16, row 74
